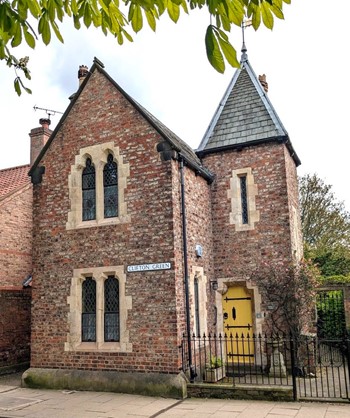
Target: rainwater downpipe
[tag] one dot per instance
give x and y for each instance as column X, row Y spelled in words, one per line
column 184, row 243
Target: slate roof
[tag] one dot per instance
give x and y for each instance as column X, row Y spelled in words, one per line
column 245, row 116
column 175, row 142
column 12, row 179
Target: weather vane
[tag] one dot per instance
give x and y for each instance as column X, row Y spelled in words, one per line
column 49, row 112
column 245, row 24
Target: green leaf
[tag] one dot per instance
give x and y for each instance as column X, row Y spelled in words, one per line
column 213, row 51
column 277, row 11
column 29, row 38
column 227, row 49
column 151, row 19
column 256, row 19
column 17, row 87
column 184, row 6
column 57, row 32
column 76, row 22
column 267, row 16
column 137, row 20
column 74, row 7
column 44, row 29
column 17, row 39
column 173, row 11
column 87, row 16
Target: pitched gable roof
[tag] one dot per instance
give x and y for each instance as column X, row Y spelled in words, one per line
column 12, row 179
column 174, row 141
column 245, row 116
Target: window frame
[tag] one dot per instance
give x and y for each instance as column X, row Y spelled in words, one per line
column 234, row 193
column 74, row 337
column 98, row 155
column 201, row 317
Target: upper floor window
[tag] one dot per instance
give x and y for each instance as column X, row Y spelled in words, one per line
column 89, row 191
column 242, row 193
column 97, row 184
column 110, row 188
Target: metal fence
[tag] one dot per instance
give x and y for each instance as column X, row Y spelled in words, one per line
column 313, row 367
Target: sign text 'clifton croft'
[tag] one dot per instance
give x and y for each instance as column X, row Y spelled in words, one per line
column 148, row 267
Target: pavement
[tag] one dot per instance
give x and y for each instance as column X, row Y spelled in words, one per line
column 34, row 403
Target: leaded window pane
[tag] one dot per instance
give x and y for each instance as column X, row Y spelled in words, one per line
column 110, row 188
column 89, row 191
column 88, row 310
column 244, row 200
column 196, row 306
column 111, row 316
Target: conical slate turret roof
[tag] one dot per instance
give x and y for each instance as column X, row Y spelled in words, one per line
column 244, row 117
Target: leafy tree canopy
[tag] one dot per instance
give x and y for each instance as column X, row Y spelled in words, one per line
column 119, row 17
column 325, row 225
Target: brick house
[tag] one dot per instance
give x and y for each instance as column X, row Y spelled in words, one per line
column 15, row 266
column 138, row 239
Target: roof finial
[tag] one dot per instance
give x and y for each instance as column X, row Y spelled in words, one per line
column 245, row 24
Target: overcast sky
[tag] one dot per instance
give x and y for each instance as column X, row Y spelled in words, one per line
column 305, row 59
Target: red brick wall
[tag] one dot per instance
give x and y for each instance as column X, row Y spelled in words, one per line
column 16, row 237
column 102, row 114
column 236, row 253
column 14, row 327
column 199, row 231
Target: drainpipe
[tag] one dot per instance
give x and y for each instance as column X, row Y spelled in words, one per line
column 184, row 241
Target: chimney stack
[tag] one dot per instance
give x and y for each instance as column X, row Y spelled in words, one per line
column 38, row 138
column 263, row 82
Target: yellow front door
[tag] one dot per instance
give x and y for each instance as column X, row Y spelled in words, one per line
column 238, row 324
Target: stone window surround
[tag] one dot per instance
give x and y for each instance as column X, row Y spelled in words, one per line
column 99, row 274
column 258, row 315
column 234, row 194
column 98, row 155
column 202, row 296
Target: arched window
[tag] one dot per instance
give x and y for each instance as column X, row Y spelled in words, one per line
column 88, row 319
column 111, row 319
column 110, row 188
column 89, row 191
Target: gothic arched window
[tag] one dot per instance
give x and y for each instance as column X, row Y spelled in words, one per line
column 110, row 188
column 111, row 319
column 89, row 192
column 88, row 311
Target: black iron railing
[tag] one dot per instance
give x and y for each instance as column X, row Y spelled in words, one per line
column 313, row 367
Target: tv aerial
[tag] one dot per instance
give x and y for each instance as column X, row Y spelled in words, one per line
column 49, row 112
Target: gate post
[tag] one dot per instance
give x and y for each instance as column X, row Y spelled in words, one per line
column 348, row 360
column 292, row 358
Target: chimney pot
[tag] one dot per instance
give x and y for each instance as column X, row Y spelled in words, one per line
column 45, row 123
column 264, row 83
column 82, row 73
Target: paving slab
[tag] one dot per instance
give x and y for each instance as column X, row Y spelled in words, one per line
column 16, row 402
